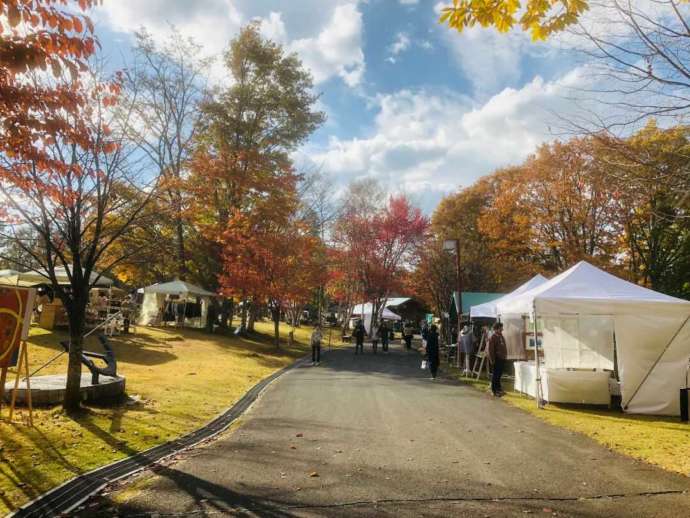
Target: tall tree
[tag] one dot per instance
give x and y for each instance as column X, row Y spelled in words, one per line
column 242, row 152
column 379, row 245
column 164, row 86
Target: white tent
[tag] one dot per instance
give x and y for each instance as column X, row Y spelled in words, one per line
column 156, row 295
column 178, row 287
column 488, row 309
column 585, row 314
column 364, row 311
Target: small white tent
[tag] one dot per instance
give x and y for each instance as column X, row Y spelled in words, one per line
column 585, row 314
column 488, row 309
column 155, row 297
column 363, row 311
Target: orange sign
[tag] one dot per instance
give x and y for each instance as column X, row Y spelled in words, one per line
column 16, row 305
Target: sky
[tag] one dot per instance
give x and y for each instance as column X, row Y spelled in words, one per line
column 422, row 108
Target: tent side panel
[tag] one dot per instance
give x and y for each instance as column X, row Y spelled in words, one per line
column 659, row 395
column 641, row 340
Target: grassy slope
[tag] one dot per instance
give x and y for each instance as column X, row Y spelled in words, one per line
column 184, row 378
column 663, row 441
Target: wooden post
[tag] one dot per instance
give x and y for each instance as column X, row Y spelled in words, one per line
column 23, row 363
column 3, row 378
column 20, row 364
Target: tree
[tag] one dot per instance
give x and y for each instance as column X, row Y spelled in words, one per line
column 69, row 199
column 379, row 244
column 164, row 87
column 242, row 151
column 274, row 259
column 540, row 18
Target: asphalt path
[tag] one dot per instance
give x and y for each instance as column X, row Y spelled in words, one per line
column 374, row 436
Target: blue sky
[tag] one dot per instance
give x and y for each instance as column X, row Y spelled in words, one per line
column 422, row 108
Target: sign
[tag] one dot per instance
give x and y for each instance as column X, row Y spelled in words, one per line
column 16, row 306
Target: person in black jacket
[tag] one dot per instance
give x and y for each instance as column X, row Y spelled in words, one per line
column 358, row 334
column 432, row 350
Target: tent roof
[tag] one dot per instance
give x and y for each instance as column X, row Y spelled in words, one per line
column 41, row 277
column 396, row 301
column 366, row 309
column 488, row 309
column 178, row 287
column 472, row 298
column 584, row 283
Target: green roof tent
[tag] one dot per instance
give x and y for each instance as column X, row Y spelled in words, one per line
column 469, row 299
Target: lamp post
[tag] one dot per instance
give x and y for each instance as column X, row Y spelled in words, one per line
column 454, row 245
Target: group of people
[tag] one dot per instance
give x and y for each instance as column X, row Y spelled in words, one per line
column 496, row 350
column 383, row 334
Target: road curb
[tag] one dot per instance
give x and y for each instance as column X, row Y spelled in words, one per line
column 69, row 495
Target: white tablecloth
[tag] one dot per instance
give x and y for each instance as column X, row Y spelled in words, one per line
column 564, row 386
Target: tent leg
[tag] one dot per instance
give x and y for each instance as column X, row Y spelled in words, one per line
column 539, row 394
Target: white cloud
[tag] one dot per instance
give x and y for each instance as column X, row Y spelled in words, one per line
column 337, row 49
column 424, row 141
column 273, row 28
column 409, row 2
column 333, row 49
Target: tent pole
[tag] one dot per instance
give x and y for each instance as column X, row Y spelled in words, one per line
column 625, row 406
column 540, row 399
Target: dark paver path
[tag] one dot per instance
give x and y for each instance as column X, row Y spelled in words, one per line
column 372, row 435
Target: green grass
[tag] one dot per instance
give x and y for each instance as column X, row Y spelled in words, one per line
column 662, row 441
column 183, row 377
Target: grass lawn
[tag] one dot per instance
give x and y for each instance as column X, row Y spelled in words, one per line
column 183, row 377
column 663, row 441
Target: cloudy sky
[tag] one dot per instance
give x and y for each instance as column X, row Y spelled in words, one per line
column 424, row 109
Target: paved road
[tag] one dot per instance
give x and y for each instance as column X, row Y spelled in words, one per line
column 372, row 435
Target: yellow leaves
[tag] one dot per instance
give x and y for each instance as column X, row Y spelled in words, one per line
column 541, row 18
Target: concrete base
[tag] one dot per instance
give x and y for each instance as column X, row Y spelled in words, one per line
column 50, row 390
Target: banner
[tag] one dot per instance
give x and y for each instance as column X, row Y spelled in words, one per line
column 16, row 306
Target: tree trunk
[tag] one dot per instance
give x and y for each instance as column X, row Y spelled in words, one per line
column 253, row 310
column 276, row 325
column 76, row 312
column 181, row 254
column 243, row 321
column 224, row 313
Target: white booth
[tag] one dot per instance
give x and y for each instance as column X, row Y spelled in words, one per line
column 591, row 323
column 363, row 312
column 176, row 302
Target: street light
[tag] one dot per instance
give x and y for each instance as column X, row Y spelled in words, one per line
column 454, row 245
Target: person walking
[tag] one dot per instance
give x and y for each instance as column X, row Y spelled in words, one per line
column 497, row 352
column 432, row 356
column 316, row 337
column 408, row 332
column 384, row 334
column 359, row 333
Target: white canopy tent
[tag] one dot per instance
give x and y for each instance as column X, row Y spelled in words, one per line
column 584, row 314
column 363, row 311
column 488, row 309
column 156, row 295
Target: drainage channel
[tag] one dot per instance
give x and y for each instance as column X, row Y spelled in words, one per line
column 74, row 492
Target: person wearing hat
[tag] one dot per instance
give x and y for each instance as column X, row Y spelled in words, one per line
column 466, row 346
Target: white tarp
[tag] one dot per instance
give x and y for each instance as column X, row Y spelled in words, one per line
column 652, row 334
column 488, row 309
